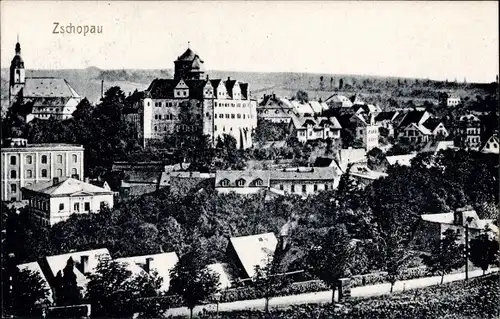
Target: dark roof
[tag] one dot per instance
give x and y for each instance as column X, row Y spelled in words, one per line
column 323, row 162
column 244, row 90
column 164, row 88
column 382, row 116
column 229, row 87
column 411, row 117
column 196, row 88
column 432, row 123
column 189, row 55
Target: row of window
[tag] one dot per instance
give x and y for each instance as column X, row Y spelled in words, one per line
column 276, row 111
column 43, row 173
column 43, row 159
column 182, row 127
column 229, row 104
column 232, row 116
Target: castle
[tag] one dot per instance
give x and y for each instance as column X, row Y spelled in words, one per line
column 49, row 97
column 194, row 104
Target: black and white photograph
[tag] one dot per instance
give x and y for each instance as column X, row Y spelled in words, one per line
column 250, row 159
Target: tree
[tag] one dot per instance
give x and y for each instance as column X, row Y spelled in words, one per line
column 341, row 84
column 331, row 259
column 302, row 96
column 191, row 279
column 29, row 291
column 394, row 254
column 483, row 251
column 321, row 83
column 271, row 278
column 67, row 290
column 113, row 288
column 446, row 254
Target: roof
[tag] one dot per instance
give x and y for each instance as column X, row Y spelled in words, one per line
column 386, row 116
column 302, row 108
column 35, row 267
column 310, row 173
column 164, row 88
column 58, row 262
column 433, row 146
column 249, row 177
column 366, row 173
column 403, row 160
column 489, row 145
column 424, row 130
column 448, row 218
column 346, row 102
column 42, row 147
column 351, row 155
column 188, row 55
column 432, row 123
column 48, row 87
column 356, row 99
column 274, row 144
column 66, row 187
column 412, row 117
column 163, row 263
column 254, row 250
column 316, row 106
column 220, row 269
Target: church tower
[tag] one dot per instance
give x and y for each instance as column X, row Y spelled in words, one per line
column 189, row 66
column 17, row 75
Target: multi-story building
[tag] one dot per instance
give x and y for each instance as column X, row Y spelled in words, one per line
column 275, row 109
column 468, row 132
column 48, row 96
column 55, row 201
column 24, row 164
column 191, row 104
column 366, row 130
column 315, row 128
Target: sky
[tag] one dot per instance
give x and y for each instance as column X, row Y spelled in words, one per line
column 436, row 40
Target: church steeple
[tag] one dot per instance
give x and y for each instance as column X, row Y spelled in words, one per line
column 18, row 46
column 17, row 74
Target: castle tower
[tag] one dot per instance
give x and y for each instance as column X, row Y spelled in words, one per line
column 17, row 75
column 189, row 66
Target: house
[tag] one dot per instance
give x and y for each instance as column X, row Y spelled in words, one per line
column 432, row 226
column 316, row 107
column 468, row 132
column 314, row 128
column 366, row 108
column 274, row 109
column 302, row 109
column 402, row 160
column 453, row 101
column 182, row 183
column 364, row 175
column 329, row 162
column 416, row 133
column 402, row 120
column 24, row 164
column 34, row 267
column 55, row 201
column 241, row 182
column 491, row 145
column 304, row 181
column 338, row 101
column 386, row 120
column 437, row 146
column 84, row 263
column 138, row 178
column 366, row 130
column 351, row 155
column 162, row 263
column 249, row 252
column 436, row 127
column 357, row 100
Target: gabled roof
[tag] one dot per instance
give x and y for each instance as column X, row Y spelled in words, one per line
column 308, row 174
column 35, row 268
column 386, row 116
column 492, row 145
column 449, row 218
column 163, row 263
column 422, row 129
column 356, row 99
column 254, row 250
column 229, row 87
column 302, row 108
column 412, row 117
column 48, row 87
column 347, row 156
column 432, row 123
column 188, row 55
column 434, row 147
column 249, row 177
column 66, row 187
column 316, row 106
column 403, row 160
column 221, row 270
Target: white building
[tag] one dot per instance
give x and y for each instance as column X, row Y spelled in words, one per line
column 453, row 101
column 55, row 201
column 315, row 128
column 24, row 164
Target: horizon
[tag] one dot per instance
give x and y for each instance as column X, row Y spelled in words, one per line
column 420, row 40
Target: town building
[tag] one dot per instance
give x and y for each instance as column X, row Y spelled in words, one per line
column 162, row 263
column 49, row 97
column 55, row 201
column 137, row 178
column 453, row 101
column 314, row 128
column 386, row 120
column 364, row 175
column 437, row 146
column 299, row 181
column 468, row 132
column 338, row 101
column 193, row 105
column 276, row 110
column 366, row 130
column 432, row 226
column 24, row 164
column 491, row 146
column 401, row 160
column 249, row 252
column 84, row 263
column 302, row 108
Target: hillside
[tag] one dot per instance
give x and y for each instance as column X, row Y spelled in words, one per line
column 87, row 82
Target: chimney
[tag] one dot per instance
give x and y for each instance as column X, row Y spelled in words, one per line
column 102, row 88
column 147, row 266
column 458, row 217
column 55, row 181
column 84, row 263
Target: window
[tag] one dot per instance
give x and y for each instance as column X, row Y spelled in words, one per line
column 29, row 159
column 292, row 188
column 76, row 207
column 303, row 188
column 281, row 187
column 315, row 187
column 44, row 159
column 13, row 174
column 258, row 182
column 232, row 116
column 240, row 182
column 103, row 205
column 224, row 182
column 87, row 206
column 13, row 160
column 59, row 172
column 13, row 188
column 239, row 116
column 44, row 173
column 74, row 171
column 61, row 206
column 156, row 128
column 29, row 173
column 59, row 159
column 326, row 187
column 227, row 116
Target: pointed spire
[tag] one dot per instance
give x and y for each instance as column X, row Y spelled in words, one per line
column 189, row 42
column 18, row 46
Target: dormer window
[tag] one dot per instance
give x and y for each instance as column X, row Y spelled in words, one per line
column 224, row 182
column 240, row 182
column 258, row 182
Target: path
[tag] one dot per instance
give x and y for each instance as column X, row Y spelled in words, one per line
column 326, row 296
